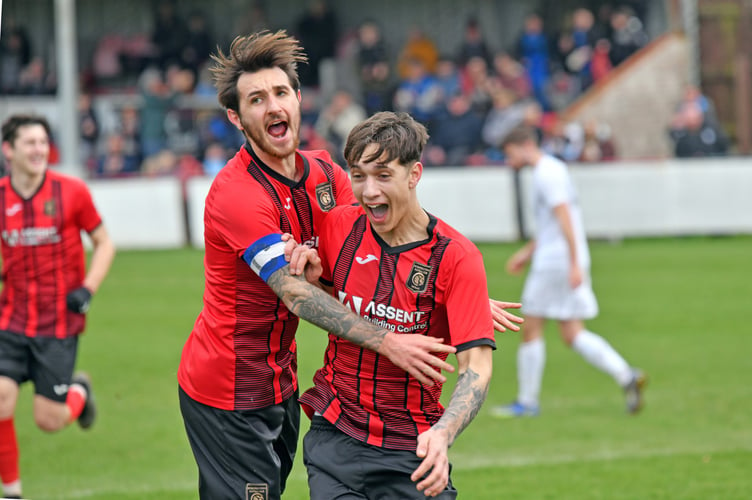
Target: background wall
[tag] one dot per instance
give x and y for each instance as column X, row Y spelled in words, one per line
column 618, row 200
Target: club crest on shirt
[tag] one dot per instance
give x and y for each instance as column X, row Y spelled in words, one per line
column 417, row 281
column 257, row 491
column 49, row 208
column 325, row 196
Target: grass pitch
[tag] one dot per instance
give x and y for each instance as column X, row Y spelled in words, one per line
column 678, row 308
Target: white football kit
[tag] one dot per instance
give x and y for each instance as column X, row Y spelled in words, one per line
column 547, row 293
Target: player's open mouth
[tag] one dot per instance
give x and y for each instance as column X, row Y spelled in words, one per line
column 378, row 212
column 277, row 129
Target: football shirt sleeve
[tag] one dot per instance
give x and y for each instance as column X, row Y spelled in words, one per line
column 87, row 217
column 468, row 310
column 241, row 218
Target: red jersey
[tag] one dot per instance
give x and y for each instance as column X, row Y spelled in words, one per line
column 433, row 287
column 43, row 256
column 241, row 352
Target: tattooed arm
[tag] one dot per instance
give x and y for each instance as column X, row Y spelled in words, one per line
column 475, row 367
column 411, row 352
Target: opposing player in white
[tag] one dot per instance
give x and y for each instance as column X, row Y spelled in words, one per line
column 558, row 286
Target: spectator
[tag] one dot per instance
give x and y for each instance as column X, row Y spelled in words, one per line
column 506, row 114
column 89, row 129
column 317, row 31
column 116, row 161
column 418, row 46
column 627, row 35
column 158, row 100
column 600, row 63
column 477, row 84
column 169, row 35
column 448, row 77
column 533, row 52
column 510, row 74
column 695, row 136
column 36, row 80
column 215, row 157
column 473, row 44
column 455, row 134
column 336, row 120
column 199, row 43
column 419, row 94
column 373, row 68
column 15, row 55
column 598, row 144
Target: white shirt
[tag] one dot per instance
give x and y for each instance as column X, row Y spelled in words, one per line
column 553, row 186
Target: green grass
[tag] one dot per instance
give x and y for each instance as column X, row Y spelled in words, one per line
column 679, row 308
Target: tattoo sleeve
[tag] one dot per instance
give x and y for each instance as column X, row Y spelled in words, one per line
column 309, row 302
column 469, row 394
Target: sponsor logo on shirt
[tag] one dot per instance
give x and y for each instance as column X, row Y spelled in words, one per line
column 13, row 209
column 325, row 196
column 382, row 314
column 365, row 260
column 288, row 206
column 31, row 236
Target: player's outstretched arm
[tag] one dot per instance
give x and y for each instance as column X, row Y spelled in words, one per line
column 411, row 352
column 470, row 391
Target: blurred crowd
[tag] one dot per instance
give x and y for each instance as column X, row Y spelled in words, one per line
column 469, row 99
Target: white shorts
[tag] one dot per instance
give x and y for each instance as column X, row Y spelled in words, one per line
column 547, row 294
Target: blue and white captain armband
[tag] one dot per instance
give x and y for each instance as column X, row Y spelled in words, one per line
column 266, row 255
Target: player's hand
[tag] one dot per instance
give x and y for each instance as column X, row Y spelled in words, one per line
column 302, row 259
column 516, row 263
column 433, row 471
column 78, row 300
column 504, row 320
column 413, row 353
column 575, row 277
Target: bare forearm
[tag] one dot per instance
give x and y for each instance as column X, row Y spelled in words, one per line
column 101, row 260
column 468, row 397
column 565, row 223
column 316, row 306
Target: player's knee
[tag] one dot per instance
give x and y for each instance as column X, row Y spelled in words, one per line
column 49, row 420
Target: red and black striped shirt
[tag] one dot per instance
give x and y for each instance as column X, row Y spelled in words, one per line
column 433, row 287
column 43, row 255
column 241, row 354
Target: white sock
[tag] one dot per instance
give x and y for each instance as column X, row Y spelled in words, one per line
column 531, row 359
column 599, row 353
column 13, row 488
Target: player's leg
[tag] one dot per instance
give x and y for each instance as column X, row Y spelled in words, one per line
column 598, row 352
column 342, row 468
column 61, row 398
column 237, row 452
column 14, row 356
column 388, row 475
column 531, row 362
column 334, row 463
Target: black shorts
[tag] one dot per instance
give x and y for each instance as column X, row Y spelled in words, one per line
column 344, row 468
column 242, row 454
column 47, row 361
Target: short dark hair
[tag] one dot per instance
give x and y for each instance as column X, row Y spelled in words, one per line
column 14, row 122
column 520, row 135
column 397, row 135
column 252, row 53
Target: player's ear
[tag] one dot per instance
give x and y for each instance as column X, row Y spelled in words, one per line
column 416, row 172
column 234, row 118
column 300, row 96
